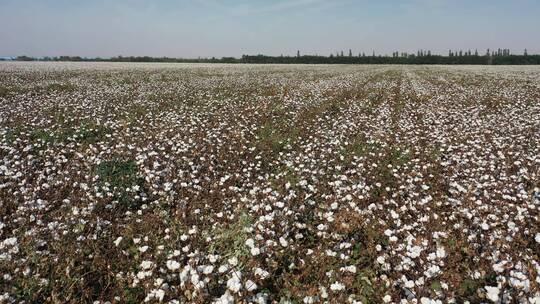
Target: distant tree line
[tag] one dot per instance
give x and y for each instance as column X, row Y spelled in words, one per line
column 495, row 57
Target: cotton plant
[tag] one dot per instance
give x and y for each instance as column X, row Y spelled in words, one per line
column 226, row 184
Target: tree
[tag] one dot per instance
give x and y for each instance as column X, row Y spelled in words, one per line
column 350, row 53
column 24, row 58
column 499, row 57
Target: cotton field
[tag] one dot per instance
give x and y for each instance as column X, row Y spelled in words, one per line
column 130, row 183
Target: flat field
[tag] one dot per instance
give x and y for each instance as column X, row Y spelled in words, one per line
column 263, row 184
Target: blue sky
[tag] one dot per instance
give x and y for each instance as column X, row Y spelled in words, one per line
column 182, row 28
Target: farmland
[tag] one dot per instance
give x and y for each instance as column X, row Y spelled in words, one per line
column 181, row 183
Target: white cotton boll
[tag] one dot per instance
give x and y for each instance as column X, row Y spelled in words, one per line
column 143, row 274
column 441, row 253
column 234, row 284
column 432, row 271
column 261, row 298
column 146, row 264
column 226, row 298
column 117, row 241
column 414, row 252
column 195, row 279
column 283, row 242
column 250, row 285
column 261, row 273
column 535, row 300
column 255, row 251
column 208, row 269
column 233, row 261
column 223, row 268
column 250, row 243
column 499, row 267
column 157, row 294
column 492, row 293
column 337, row 286
column 173, row 265
column 212, row 258
column 387, row 299
column 537, row 238
column 143, row 249
column 425, row 300
column 324, row 293
column 184, row 274
column 351, row 269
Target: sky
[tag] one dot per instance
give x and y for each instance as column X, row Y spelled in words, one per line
column 218, row 28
